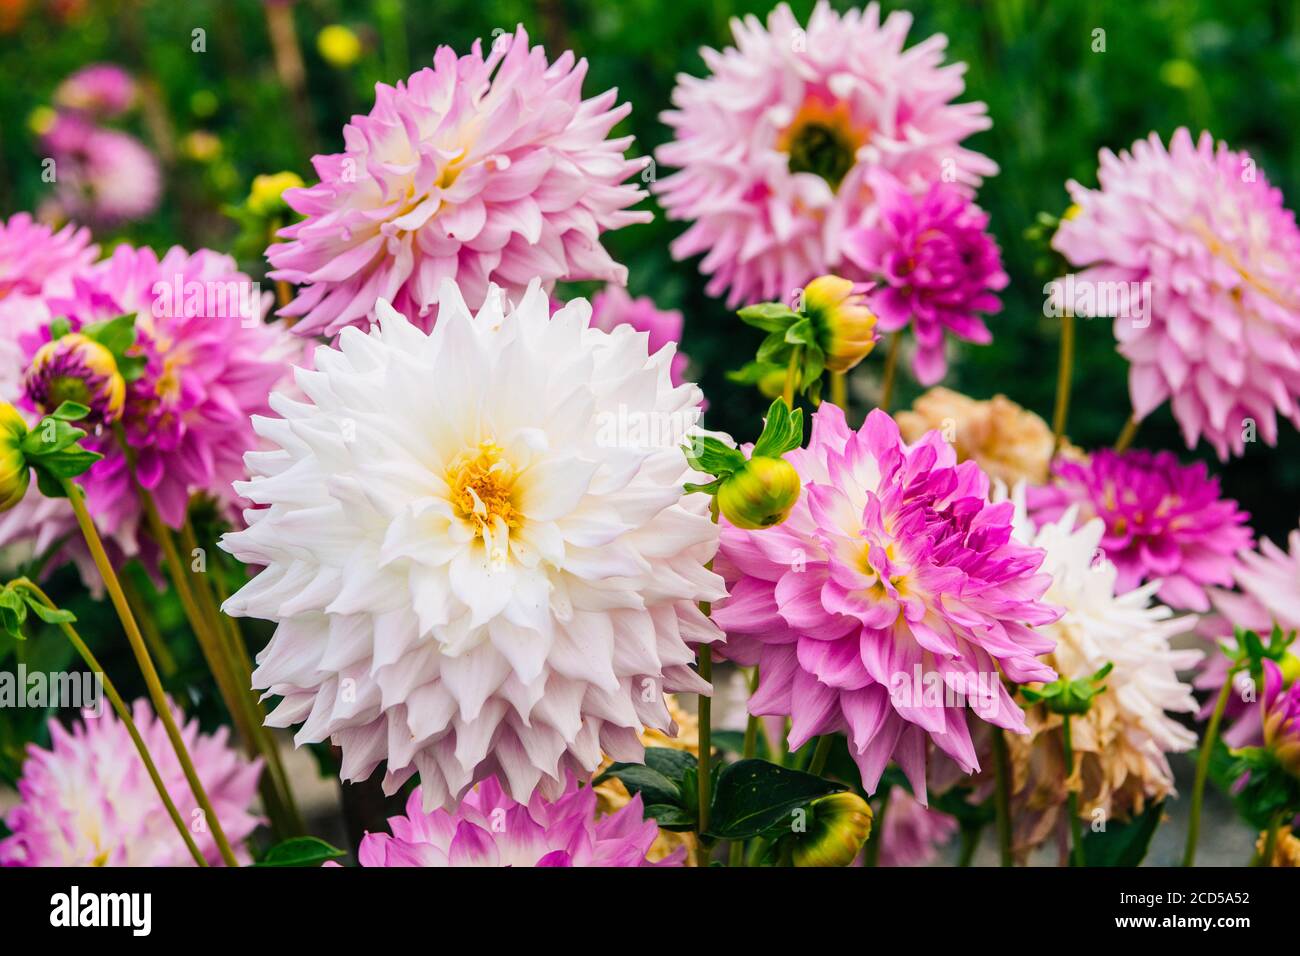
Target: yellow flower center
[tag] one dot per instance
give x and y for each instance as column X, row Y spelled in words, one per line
column 482, row 489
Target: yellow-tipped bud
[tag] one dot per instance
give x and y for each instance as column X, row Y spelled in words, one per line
column 74, row 368
column 267, row 194
column 338, row 46
column 760, row 494
column 14, row 472
column 839, row 826
column 846, row 328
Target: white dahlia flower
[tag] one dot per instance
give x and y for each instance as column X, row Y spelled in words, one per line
column 477, row 547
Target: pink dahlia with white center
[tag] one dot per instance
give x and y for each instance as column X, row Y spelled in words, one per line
column 489, row 828
column 477, row 547
column 1215, row 330
column 480, row 169
column 891, row 597
column 102, row 90
column 772, row 148
column 1164, row 521
column 935, row 264
column 89, row 801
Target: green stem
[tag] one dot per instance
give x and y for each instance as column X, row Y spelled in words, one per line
column 821, row 754
column 1127, row 435
column 792, row 375
column 840, row 391
column 970, row 841
column 872, row 857
column 1064, row 372
column 891, row 369
column 124, row 715
column 1071, row 795
column 705, row 660
column 152, row 637
column 147, row 669
column 1270, row 841
column 1002, row 796
column 1203, row 769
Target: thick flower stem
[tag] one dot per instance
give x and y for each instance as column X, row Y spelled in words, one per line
column 840, row 391
column 1071, row 795
column 1127, row 435
column 1203, row 770
column 147, row 669
column 821, row 754
column 1002, row 796
column 123, row 714
column 891, row 369
column 1266, row 855
column 1064, row 373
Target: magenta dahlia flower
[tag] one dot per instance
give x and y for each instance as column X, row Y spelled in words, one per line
column 1163, row 520
column 613, row 306
column 105, row 176
column 935, row 265
column 891, row 597
column 910, row 834
column 491, row 829
column 101, row 90
column 210, row 364
column 481, row 168
column 88, row 800
column 1213, row 323
column 772, row 148
column 1282, row 718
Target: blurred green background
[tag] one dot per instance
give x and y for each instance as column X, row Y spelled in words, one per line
column 1229, row 66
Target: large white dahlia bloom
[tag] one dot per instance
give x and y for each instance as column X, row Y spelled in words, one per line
column 477, row 547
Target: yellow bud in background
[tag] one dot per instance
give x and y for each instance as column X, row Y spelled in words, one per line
column 846, row 328
column 201, row 146
column 14, row 473
column 838, row 829
column 338, row 46
column 266, row 196
column 41, row 120
column 760, row 494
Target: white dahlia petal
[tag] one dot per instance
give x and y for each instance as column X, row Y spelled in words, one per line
column 476, row 547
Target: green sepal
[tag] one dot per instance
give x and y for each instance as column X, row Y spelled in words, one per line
column 300, row 852
column 1069, row 697
column 769, row 316
column 782, row 431
column 713, row 456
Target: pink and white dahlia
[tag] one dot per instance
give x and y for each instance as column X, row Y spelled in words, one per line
column 1164, row 521
column 480, row 169
column 1213, row 324
column 89, row 801
column 891, row 597
column 477, row 547
column 489, row 828
column 911, row 834
column 210, row 362
column 773, row 147
column 101, row 90
column 105, row 176
column 613, row 306
column 935, row 265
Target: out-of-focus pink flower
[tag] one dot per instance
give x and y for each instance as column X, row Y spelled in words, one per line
column 911, row 834
column 481, row 168
column 1212, row 321
column 1164, row 520
column 936, row 264
column 773, row 147
column 1282, row 718
column 891, row 597
column 88, row 800
column 104, row 176
column 491, row 829
column 613, row 306
column 100, row 90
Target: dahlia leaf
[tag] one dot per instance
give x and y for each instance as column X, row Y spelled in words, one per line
column 13, row 613
column 754, row 797
column 300, row 851
column 653, row 786
column 782, row 431
column 769, row 316
column 117, row 334
column 669, row 817
column 68, row 463
column 673, row 764
column 50, row 615
column 1122, row 843
column 70, row 412
column 713, row 456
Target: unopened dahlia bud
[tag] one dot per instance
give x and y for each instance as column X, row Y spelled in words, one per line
column 1282, row 719
column 338, row 46
column 760, row 494
column 74, row 368
column 14, row 471
column 839, row 826
column 846, row 328
column 266, row 198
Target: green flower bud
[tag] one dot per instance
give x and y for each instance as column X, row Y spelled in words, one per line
column 839, row 826
column 266, row 196
column 14, row 471
column 760, row 494
column 846, row 328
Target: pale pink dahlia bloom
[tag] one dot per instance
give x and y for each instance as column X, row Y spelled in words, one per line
column 491, row 829
column 1219, row 332
column 105, row 176
column 889, row 599
column 103, row 90
column 935, row 265
column 772, row 148
column 477, row 547
column 88, row 800
column 1164, row 521
column 481, row 168
column 912, row 834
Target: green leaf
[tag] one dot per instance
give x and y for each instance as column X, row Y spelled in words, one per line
column 48, row 485
column 70, row 411
column 774, row 350
column 117, row 334
column 13, row 612
column 713, row 456
column 59, row 327
column 50, row 436
column 768, row 316
column 782, row 431
column 69, row 463
column 669, row 817
column 673, row 764
column 753, row 796
column 653, row 786
column 1122, row 844
column 50, row 615
column 801, row 333
column 300, row 851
